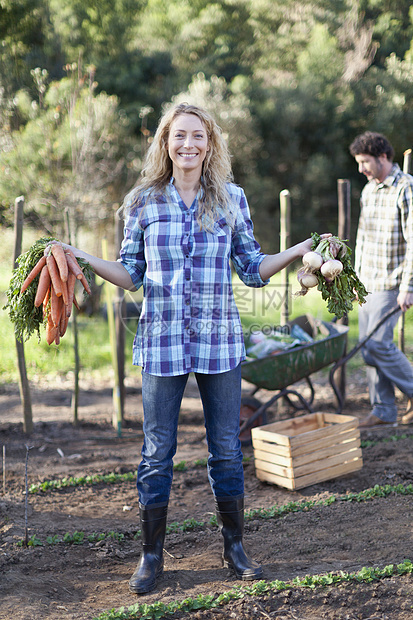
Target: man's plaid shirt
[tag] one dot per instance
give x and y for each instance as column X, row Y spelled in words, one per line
column 384, row 245
column 189, row 320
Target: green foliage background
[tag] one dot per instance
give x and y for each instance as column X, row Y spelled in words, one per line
column 82, row 84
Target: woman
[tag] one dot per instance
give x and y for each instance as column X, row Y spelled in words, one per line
column 183, row 223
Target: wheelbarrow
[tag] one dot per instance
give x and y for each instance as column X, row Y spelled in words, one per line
column 280, row 372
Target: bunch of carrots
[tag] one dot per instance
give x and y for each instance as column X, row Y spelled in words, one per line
column 42, row 289
column 58, row 271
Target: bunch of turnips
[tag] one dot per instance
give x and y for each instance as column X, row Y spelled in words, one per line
column 328, row 266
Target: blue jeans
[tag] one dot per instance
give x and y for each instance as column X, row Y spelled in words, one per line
column 387, row 365
column 221, row 400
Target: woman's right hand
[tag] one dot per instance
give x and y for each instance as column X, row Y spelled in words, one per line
column 112, row 271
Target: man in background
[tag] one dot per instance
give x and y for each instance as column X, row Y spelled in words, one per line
column 384, row 263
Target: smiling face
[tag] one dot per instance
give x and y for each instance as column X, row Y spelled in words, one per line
column 374, row 167
column 187, row 144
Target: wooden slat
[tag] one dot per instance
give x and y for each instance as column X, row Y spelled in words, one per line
column 260, row 434
column 269, row 457
column 324, row 442
column 274, row 448
column 318, row 455
column 282, row 482
column 338, row 449
column 338, row 418
column 279, row 470
column 314, row 478
column 326, row 463
column 328, row 474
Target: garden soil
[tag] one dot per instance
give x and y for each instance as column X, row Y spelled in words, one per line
column 82, row 581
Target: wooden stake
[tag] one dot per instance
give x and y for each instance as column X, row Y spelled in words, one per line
column 344, row 229
column 26, row 504
column 23, row 380
column 120, row 314
column 4, row 470
column 75, row 393
column 117, row 409
column 285, row 219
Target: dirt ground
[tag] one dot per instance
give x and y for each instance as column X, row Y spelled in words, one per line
column 81, row 581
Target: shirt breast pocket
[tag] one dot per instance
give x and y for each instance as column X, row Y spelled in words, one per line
column 213, row 243
column 162, row 237
column 220, row 228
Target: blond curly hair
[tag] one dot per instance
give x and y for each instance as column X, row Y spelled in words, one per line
column 156, row 173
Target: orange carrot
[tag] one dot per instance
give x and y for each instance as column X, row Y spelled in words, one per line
column 76, row 303
column 60, row 258
column 85, row 284
column 73, row 266
column 54, row 274
column 46, row 302
column 51, row 331
column 34, row 272
column 64, row 292
column 64, row 321
column 56, row 307
column 43, row 286
column 76, row 269
column 70, row 252
column 71, row 281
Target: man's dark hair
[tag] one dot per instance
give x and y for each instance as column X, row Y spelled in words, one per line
column 371, row 143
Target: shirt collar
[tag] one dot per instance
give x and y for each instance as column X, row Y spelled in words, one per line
column 391, row 177
column 200, row 191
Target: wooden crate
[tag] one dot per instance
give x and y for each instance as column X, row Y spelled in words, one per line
column 302, row 451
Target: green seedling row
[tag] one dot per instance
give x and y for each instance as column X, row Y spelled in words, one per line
column 111, row 478
column 158, row 610
column 378, row 491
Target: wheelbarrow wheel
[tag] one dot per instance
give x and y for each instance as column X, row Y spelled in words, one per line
column 249, row 406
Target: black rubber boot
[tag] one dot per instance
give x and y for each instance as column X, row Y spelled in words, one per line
column 150, row 567
column 230, row 516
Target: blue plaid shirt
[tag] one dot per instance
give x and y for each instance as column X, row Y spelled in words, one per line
column 189, row 321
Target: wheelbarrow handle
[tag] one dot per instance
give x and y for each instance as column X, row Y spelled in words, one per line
column 353, row 351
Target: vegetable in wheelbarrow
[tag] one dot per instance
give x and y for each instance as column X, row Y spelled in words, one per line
column 260, row 345
column 328, row 266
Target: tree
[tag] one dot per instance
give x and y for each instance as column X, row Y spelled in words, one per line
column 70, row 153
column 201, row 36
column 27, row 42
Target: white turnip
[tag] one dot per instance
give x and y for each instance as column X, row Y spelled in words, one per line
column 312, row 261
column 331, row 269
column 307, row 280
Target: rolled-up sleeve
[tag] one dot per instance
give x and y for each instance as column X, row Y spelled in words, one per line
column 246, row 252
